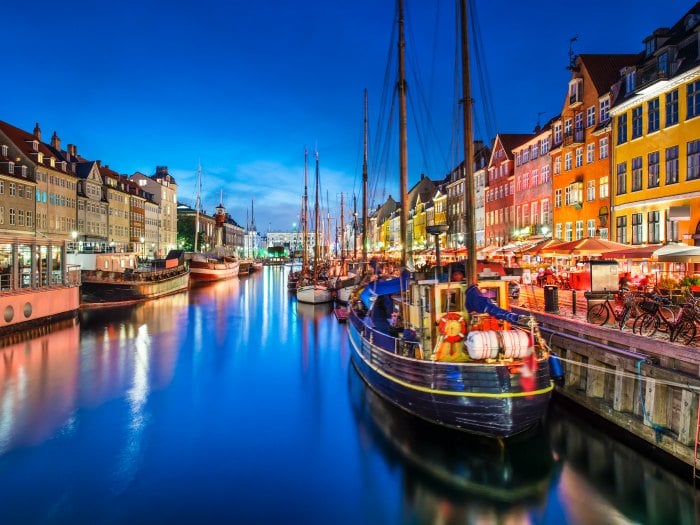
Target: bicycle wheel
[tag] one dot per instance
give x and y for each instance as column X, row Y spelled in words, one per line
column 646, row 325
column 668, row 314
column 598, row 314
column 624, row 318
column 684, row 333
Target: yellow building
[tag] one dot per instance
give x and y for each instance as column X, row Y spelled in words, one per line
column 656, row 133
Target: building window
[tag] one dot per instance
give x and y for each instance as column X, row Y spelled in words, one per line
column 557, row 198
column 557, row 133
column 590, row 117
column 654, row 227
column 604, row 109
column 567, row 161
column 534, row 179
column 653, row 115
column 622, row 129
column 693, row 160
column 544, row 174
column 557, row 165
column 544, row 207
column 12, row 216
column 590, row 227
column 590, row 152
column 557, row 231
column 604, row 187
column 653, row 169
column 621, row 185
column 579, row 230
column 579, row 157
column 603, row 147
column 621, row 229
column 637, row 229
column 672, row 108
column 672, row 165
column 636, row 173
column 590, row 190
column 13, row 189
column 693, row 99
column 544, row 147
column 568, row 231
column 568, row 126
column 637, row 122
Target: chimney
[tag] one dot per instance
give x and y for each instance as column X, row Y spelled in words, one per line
column 72, row 152
column 37, row 131
column 99, row 163
column 55, row 142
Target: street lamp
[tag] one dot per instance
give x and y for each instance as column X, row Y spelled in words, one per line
column 143, row 247
column 74, row 235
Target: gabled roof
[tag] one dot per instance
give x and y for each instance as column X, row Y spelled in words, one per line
column 510, row 141
column 604, row 70
column 24, row 140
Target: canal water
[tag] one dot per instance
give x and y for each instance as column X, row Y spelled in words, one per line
column 231, row 403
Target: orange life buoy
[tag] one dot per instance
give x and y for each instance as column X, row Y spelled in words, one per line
column 452, row 327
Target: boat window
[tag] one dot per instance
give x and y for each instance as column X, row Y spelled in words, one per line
column 491, row 293
column 450, row 300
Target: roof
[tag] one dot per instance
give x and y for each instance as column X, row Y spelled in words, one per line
column 604, row 70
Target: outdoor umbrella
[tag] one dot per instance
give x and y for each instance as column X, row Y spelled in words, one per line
column 633, row 252
column 689, row 255
column 543, row 247
column 587, row 247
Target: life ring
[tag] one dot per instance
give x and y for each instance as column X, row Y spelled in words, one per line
column 452, row 327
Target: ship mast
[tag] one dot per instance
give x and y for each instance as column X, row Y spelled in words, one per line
column 197, row 206
column 316, row 226
column 365, row 219
column 305, row 219
column 403, row 137
column 469, row 194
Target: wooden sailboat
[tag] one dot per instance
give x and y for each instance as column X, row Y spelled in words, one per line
column 212, row 265
column 313, row 290
column 447, row 349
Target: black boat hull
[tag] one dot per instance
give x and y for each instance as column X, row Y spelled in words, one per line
column 476, row 397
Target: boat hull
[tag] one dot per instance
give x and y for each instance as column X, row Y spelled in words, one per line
column 31, row 307
column 114, row 287
column 475, row 397
column 210, row 271
column 314, row 294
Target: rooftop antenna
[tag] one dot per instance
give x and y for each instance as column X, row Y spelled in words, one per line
column 572, row 55
column 538, row 127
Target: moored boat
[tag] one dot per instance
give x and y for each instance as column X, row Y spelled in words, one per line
column 212, row 267
column 106, row 280
column 447, row 349
column 38, row 284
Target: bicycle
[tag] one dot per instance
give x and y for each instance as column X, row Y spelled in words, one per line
column 681, row 329
column 599, row 313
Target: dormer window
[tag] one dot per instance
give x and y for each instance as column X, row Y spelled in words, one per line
column 575, row 91
column 3, row 149
column 35, row 145
column 650, row 47
column 23, row 171
column 40, row 157
column 629, row 80
column 11, row 168
column 663, row 65
column 52, row 162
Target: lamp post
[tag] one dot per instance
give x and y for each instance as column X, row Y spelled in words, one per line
column 437, row 230
column 143, row 246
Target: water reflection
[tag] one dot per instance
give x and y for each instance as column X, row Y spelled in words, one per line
column 451, row 477
column 233, row 403
column 38, row 387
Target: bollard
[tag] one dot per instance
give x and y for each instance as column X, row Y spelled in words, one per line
column 573, row 302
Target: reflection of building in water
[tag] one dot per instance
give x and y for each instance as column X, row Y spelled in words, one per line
column 604, row 478
column 38, row 386
column 453, row 477
column 36, row 283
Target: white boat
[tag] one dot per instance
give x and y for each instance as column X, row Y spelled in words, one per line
column 314, row 294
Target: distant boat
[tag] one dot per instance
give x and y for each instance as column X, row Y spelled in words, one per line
column 107, row 282
column 209, row 267
column 312, row 289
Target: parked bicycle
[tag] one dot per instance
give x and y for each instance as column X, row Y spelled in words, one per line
column 681, row 328
column 622, row 306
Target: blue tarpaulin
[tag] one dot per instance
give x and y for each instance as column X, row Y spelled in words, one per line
column 389, row 287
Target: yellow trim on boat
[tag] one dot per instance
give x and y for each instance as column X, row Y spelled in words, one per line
column 451, row 392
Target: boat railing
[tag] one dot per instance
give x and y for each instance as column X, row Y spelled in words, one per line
column 130, row 275
column 388, row 342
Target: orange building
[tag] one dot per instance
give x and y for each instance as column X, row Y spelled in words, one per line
column 581, row 149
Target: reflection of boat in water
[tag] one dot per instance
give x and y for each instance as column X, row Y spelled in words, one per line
column 516, row 472
column 314, row 311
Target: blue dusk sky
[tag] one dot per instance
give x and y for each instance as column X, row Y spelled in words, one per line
column 243, row 86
